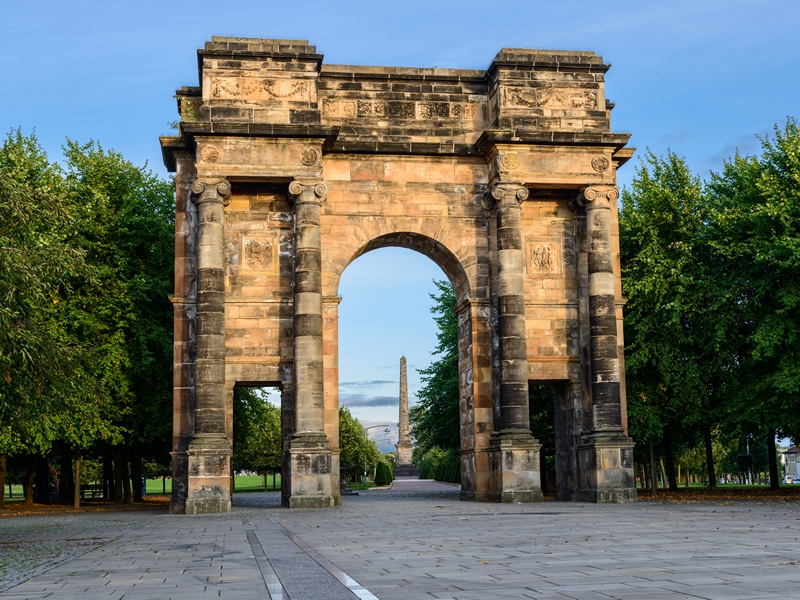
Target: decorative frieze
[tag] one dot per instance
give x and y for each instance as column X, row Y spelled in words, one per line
column 258, row 88
column 346, row 108
column 549, row 97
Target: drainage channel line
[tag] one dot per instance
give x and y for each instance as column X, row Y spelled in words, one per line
column 274, row 587
column 350, row 583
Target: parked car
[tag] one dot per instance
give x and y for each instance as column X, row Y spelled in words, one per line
column 795, row 480
column 788, row 479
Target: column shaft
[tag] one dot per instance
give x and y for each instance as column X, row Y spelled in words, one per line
column 606, row 408
column 514, row 459
column 209, row 451
column 310, row 458
column 511, row 311
column 308, row 369
column 210, row 407
column 605, row 456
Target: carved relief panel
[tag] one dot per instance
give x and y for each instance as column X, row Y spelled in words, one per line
column 259, row 253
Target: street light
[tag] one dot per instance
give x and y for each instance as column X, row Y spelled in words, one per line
column 387, row 430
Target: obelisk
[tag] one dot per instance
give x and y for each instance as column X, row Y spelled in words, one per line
column 404, row 468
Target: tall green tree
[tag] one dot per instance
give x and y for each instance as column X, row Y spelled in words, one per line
column 435, row 419
column 37, row 264
column 356, row 448
column 756, row 235
column 675, row 344
column 121, row 313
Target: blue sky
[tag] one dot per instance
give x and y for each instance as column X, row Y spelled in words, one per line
column 701, row 77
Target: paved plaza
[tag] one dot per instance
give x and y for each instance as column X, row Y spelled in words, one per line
column 410, row 544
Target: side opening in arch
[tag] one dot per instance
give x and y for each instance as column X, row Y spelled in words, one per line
column 257, row 444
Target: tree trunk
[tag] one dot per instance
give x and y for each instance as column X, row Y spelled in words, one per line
column 77, row 497
column 774, row 481
column 687, row 476
column 670, row 459
column 712, row 476
column 136, row 474
column 164, row 484
column 65, row 475
column 126, row 478
column 3, row 458
column 41, row 481
column 542, row 472
column 273, row 480
column 652, row 471
column 108, row 475
column 118, row 475
column 29, row 464
column 644, row 476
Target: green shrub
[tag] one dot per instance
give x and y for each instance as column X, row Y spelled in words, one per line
column 383, row 475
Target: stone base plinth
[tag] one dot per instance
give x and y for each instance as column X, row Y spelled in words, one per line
column 406, row 471
column 310, row 464
column 514, row 460
column 180, row 478
column 605, row 467
column 209, row 482
column 335, row 478
column 404, row 453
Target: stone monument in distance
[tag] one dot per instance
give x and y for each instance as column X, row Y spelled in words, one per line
column 404, row 468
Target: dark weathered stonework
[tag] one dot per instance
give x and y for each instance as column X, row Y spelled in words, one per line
column 288, row 169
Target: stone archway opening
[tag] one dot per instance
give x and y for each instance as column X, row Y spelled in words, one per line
column 385, row 319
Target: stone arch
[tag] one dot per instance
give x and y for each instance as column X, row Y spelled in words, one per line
column 463, row 259
column 436, row 251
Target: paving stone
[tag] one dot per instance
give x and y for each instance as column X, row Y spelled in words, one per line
column 392, row 547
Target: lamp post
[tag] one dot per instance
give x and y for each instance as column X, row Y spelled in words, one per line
column 387, row 430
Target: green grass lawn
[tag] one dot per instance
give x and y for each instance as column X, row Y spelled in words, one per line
column 360, row 486
column 244, row 484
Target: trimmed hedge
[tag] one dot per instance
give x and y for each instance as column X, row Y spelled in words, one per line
column 383, row 474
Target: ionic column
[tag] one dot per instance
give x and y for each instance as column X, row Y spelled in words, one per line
column 511, row 310
column 605, row 456
column 515, row 452
column 209, row 450
column 310, row 451
column 606, row 408
column 210, row 197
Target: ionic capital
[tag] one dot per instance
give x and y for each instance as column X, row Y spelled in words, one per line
column 308, row 190
column 504, row 193
column 205, row 190
column 596, row 196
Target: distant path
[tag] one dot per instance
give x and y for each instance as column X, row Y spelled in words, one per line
column 422, row 485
